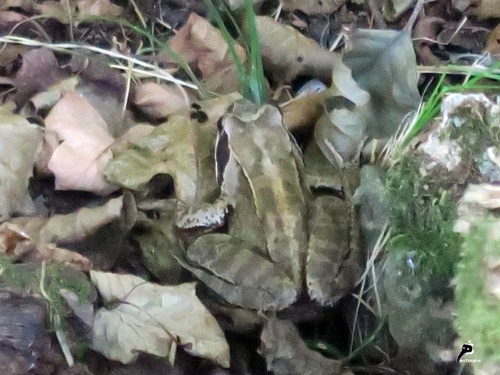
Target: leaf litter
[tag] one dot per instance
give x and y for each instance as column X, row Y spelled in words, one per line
column 118, row 169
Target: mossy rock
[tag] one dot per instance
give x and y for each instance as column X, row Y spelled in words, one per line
column 478, row 293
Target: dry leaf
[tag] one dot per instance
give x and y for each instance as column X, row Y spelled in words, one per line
column 149, row 317
column 38, row 238
column 25, row 5
column 493, row 44
column 370, row 95
column 181, row 147
column 20, row 143
column 102, row 8
column 286, row 53
column 199, row 43
column 482, row 9
column 39, row 70
column 313, row 6
column 80, row 159
column 160, row 101
column 55, row 9
column 302, row 113
column 393, row 9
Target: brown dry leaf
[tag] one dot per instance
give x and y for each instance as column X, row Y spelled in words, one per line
column 181, row 147
column 286, row 53
column 425, row 31
column 25, row 5
column 201, row 44
column 20, row 143
column 39, row 70
column 102, row 8
column 303, row 113
column 80, row 159
column 150, row 317
column 15, row 243
column 313, row 6
column 393, row 9
column 493, row 43
column 485, row 9
column 39, row 238
column 61, row 11
column 287, row 354
column 480, row 8
column 159, row 101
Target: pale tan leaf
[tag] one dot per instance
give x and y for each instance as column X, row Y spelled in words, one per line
column 25, row 5
column 55, row 9
column 482, row 9
column 199, row 43
column 160, row 101
column 103, row 8
column 150, row 316
column 80, row 159
column 493, row 44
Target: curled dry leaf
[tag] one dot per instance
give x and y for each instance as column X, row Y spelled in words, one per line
column 199, row 43
column 313, row 6
column 160, row 101
column 286, row 53
column 150, row 317
column 371, row 93
column 303, row 112
column 20, row 143
column 80, row 159
column 38, row 238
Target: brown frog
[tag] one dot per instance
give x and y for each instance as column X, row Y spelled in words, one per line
column 282, row 240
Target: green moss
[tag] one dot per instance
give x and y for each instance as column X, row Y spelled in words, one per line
column 478, row 311
column 25, row 278
column 422, row 217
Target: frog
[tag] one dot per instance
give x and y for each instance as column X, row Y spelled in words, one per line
column 283, row 239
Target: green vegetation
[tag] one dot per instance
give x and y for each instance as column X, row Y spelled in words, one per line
column 474, row 81
column 478, row 309
column 250, row 72
column 422, row 217
column 29, row 278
